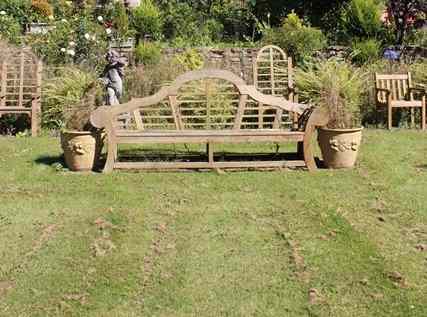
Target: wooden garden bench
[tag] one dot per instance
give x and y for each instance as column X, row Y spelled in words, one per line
column 207, row 107
column 20, row 85
column 396, row 91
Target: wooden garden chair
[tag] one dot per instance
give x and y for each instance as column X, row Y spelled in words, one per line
column 20, row 85
column 396, row 91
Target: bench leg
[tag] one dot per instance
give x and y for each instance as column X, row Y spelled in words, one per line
column 210, row 152
column 111, row 157
column 300, row 150
column 389, row 117
column 308, row 150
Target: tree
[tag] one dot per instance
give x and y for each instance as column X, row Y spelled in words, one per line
column 404, row 14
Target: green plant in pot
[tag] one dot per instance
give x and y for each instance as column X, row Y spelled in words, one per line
column 70, row 97
column 337, row 87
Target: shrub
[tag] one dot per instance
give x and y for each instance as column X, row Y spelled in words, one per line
column 18, row 9
column 42, row 9
column 147, row 80
column 80, row 41
column 120, row 21
column 10, row 29
column 148, row 53
column 190, row 59
column 418, row 38
column 336, row 86
column 365, row 51
column 298, row 39
column 147, row 20
column 362, row 19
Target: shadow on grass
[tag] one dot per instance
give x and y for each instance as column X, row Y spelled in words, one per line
column 423, row 166
column 50, row 160
column 165, row 155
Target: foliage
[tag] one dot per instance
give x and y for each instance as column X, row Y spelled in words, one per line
column 418, row 38
column 10, row 29
column 336, row 86
column 365, row 51
column 189, row 60
column 147, row 80
column 362, row 19
column 17, row 9
column 200, row 23
column 404, row 15
column 319, row 13
column 79, row 40
column 120, row 21
column 42, row 10
column 297, row 38
column 147, row 20
column 148, row 53
column 419, row 73
column 63, row 95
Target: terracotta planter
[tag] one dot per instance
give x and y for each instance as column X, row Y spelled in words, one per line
column 339, row 147
column 81, row 149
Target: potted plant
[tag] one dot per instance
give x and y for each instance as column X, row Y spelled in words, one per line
column 70, row 98
column 337, row 87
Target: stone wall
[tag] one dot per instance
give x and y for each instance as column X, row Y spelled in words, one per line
column 237, row 60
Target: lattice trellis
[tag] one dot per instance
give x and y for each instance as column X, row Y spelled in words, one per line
column 20, row 84
column 273, row 75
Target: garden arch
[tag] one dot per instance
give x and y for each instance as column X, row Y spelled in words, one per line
column 20, row 84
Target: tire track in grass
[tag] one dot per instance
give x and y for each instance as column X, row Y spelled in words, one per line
column 224, row 264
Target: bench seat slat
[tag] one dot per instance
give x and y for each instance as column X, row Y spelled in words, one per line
column 206, row 136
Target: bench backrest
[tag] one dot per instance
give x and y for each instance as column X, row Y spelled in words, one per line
column 205, row 99
column 397, row 84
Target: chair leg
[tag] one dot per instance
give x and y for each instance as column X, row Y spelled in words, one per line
column 390, row 118
column 423, row 117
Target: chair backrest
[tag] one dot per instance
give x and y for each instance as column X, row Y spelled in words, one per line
column 397, row 84
column 205, row 99
column 273, row 72
column 20, row 78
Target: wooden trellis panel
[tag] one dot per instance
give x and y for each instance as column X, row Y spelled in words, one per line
column 20, row 85
column 273, row 75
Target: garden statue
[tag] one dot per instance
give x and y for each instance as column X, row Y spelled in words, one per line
column 113, row 77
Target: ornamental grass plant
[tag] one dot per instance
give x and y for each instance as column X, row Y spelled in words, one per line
column 336, row 86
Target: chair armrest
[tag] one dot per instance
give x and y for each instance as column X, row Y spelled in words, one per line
column 383, row 90
column 420, row 91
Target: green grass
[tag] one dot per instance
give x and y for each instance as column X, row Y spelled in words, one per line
column 202, row 244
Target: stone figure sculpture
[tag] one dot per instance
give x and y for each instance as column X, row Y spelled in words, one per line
column 113, row 76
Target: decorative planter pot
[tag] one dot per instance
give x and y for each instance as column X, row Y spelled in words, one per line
column 81, row 149
column 339, row 147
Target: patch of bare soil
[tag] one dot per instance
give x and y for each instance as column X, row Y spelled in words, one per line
column 46, row 235
column 6, row 286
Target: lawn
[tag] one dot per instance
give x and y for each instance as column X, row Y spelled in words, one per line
column 249, row 243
